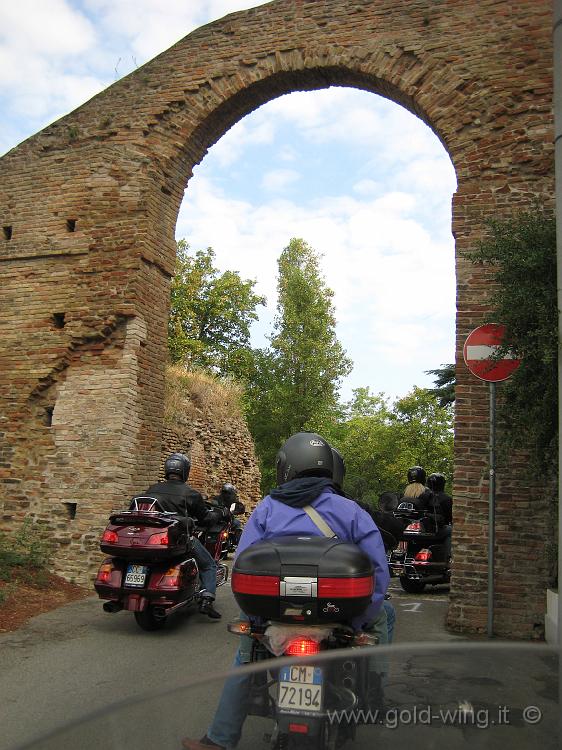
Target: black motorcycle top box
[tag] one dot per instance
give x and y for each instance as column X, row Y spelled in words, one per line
column 303, row 579
column 145, row 536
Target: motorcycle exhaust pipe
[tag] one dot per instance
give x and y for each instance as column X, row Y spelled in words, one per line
column 112, row 606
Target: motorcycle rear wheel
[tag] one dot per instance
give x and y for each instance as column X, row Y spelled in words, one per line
column 147, row 621
column 411, row 587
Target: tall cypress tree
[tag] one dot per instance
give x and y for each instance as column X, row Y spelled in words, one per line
column 298, row 377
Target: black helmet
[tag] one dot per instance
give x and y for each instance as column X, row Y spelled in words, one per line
column 339, row 468
column 228, row 489
column 436, row 482
column 178, row 464
column 304, row 454
column 416, row 474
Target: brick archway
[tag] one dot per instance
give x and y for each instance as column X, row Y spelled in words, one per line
column 89, row 205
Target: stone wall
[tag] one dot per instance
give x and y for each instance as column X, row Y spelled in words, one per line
column 218, row 453
column 88, row 209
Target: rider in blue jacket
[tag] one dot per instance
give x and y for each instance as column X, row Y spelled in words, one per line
column 305, row 468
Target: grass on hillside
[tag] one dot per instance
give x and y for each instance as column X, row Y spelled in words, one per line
column 192, row 393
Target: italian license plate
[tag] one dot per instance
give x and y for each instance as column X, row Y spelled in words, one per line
column 136, row 576
column 300, row 689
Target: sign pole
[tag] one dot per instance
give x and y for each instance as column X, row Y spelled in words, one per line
column 491, row 510
column 480, row 355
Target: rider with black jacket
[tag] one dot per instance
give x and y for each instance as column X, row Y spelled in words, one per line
column 175, row 496
column 443, row 505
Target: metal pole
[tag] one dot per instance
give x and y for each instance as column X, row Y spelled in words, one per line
column 557, row 72
column 491, row 510
column 557, row 43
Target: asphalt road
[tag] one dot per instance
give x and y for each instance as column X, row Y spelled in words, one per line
column 78, row 662
column 68, row 663
column 75, row 676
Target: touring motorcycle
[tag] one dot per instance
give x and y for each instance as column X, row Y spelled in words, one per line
column 300, row 595
column 420, row 557
column 151, row 570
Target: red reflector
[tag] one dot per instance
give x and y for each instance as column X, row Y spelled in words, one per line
column 424, row 555
column 302, row 647
column 104, row 573
column 416, row 526
column 110, row 537
column 345, row 588
column 242, row 583
column 298, row 728
column 160, row 538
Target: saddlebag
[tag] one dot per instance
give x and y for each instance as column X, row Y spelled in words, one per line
column 303, row 579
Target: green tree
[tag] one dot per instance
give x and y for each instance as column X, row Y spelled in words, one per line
column 296, row 380
column 211, row 314
column 379, row 442
column 522, row 253
column 445, row 379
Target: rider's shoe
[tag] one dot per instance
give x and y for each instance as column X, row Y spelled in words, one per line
column 203, row 744
column 206, row 608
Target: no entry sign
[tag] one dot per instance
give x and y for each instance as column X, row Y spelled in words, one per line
column 479, row 349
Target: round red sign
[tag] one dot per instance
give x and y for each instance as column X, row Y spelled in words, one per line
column 479, row 349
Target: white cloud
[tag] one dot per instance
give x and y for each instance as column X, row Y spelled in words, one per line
column 45, row 28
column 278, row 179
column 393, row 283
column 244, row 134
column 152, row 26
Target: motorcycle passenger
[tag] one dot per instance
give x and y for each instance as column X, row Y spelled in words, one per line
column 176, row 496
column 443, row 504
column 226, row 498
column 304, row 475
column 416, row 492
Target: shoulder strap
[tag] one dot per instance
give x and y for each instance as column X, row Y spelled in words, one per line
column 317, row 520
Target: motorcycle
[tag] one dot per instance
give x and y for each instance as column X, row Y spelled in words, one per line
column 151, row 570
column 217, row 538
column 305, row 595
column 420, row 557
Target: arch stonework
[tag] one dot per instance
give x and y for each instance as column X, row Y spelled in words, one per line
column 88, row 208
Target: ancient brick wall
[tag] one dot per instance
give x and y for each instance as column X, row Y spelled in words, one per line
column 88, row 209
column 219, row 453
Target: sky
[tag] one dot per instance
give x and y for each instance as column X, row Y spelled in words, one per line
column 359, row 178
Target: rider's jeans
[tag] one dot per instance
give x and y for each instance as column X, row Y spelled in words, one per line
column 226, row 726
column 207, row 569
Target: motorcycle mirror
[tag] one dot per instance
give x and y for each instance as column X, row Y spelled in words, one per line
column 238, row 508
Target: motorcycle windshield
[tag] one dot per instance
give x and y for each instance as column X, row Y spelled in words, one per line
column 469, row 695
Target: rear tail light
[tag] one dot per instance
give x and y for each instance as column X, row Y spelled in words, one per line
column 243, row 583
column 415, row 526
column 170, row 580
column 302, row 647
column 160, row 538
column 424, row 555
column 345, row 588
column 111, row 537
column 298, row 728
column 104, row 573
column 224, row 534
